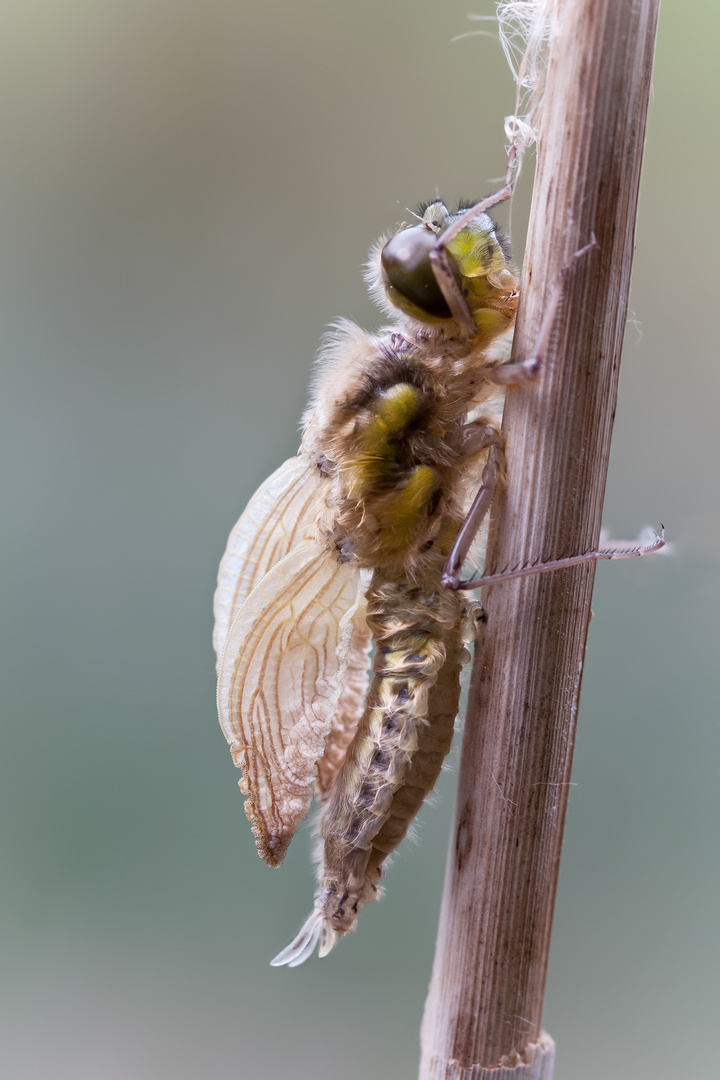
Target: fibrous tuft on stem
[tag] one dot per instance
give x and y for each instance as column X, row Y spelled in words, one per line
column 525, row 29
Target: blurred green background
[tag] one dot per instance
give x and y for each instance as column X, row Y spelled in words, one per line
column 189, row 192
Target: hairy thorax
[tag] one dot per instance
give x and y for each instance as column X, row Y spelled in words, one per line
column 385, row 435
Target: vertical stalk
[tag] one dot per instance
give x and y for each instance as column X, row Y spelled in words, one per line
column 485, row 1003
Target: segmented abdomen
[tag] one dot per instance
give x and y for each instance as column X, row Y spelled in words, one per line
column 403, row 736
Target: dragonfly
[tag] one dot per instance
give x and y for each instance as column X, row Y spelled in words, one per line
column 341, row 616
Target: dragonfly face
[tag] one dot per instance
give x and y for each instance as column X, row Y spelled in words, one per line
column 478, row 257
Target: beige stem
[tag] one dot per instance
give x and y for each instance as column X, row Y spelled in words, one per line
column 486, row 995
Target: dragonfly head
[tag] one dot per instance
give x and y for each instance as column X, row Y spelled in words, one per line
column 479, row 259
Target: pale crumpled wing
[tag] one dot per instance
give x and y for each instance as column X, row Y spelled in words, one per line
column 281, row 513
column 280, row 678
column 351, row 703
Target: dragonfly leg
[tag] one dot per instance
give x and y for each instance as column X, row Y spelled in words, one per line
column 483, row 500
column 478, row 435
column 523, row 371
column 439, row 258
column 613, row 551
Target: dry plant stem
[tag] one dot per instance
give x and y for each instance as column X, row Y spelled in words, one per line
column 486, row 994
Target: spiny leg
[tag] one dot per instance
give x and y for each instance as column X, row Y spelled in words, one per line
column 523, row 371
column 614, row 552
column 475, row 437
column 481, row 436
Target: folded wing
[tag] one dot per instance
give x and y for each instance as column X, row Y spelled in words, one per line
column 279, row 515
column 351, row 703
column 280, row 678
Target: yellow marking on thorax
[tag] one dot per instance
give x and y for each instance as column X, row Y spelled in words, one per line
column 410, row 499
column 395, row 507
column 397, row 406
column 392, row 410
column 397, row 513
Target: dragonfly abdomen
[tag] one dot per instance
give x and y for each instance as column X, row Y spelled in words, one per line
column 402, row 738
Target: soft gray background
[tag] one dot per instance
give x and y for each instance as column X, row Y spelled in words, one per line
column 189, row 191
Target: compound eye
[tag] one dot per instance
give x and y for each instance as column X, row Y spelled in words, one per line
column 406, row 262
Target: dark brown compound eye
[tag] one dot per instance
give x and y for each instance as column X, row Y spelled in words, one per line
column 406, row 262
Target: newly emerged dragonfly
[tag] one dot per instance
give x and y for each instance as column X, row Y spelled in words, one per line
column 347, row 549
